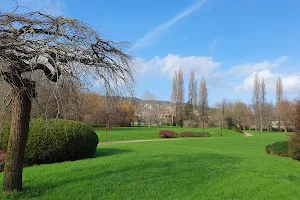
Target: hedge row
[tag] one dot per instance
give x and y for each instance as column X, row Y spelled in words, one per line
column 167, row 134
column 172, row 134
column 55, row 140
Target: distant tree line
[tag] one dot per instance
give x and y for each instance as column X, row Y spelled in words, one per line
column 259, row 115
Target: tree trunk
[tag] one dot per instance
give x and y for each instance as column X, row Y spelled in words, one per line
column 261, row 124
column 203, row 127
column 279, row 128
column 221, row 129
column 21, row 107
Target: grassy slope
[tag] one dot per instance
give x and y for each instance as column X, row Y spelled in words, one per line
column 228, row 167
column 141, row 133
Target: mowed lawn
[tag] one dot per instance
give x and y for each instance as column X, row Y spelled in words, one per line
column 142, row 133
column 228, row 167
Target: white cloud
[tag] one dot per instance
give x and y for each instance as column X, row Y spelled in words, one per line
column 265, row 70
column 203, row 66
column 154, row 34
column 290, row 82
column 248, row 68
column 54, row 7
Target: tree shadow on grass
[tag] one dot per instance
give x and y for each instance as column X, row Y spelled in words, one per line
column 161, row 172
column 103, row 152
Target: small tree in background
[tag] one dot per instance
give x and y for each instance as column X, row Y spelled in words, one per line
column 203, row 102
column 279, row 91
column 178, row 96
column 286, row 116
column 256, row 101
column 192, row 93
column 239, row 112
column 221, row 113
column 148, row 107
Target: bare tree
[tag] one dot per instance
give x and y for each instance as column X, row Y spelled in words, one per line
column 174, row 95
column 56, row 46
column 269, row 116
column 192, row 98
column 256, row 101
column 286, row 113
column 295, row 137
column 192, row 89
column 148, row 107
column 178, row 96
column 279, row 91
column 221, row 109
column 240, row 114
column 262, row 103
column 203, row 102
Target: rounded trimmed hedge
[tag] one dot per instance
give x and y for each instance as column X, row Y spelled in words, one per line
column 190, row 134
column 55, row 140
column 279, row 148
column 194, row 134
column 167, row 134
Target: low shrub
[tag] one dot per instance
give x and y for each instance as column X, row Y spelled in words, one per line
column 167, row 134
column 194, row 134
column 279, row 148
column 190, row 134
column 56, row 140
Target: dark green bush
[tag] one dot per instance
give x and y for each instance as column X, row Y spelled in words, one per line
column 190, row 134
column 167, row 134
column 56, row 140
column 279, row 149
column 267, row 148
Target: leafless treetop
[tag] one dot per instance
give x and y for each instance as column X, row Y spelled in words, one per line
column 59, row 46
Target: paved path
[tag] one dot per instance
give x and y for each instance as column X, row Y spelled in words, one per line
column 150, row 140
column 247, row 134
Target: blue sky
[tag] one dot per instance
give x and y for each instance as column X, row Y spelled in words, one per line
column 227, row 42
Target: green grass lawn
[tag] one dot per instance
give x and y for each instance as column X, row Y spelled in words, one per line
column 228, row 167
column 142, row 133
